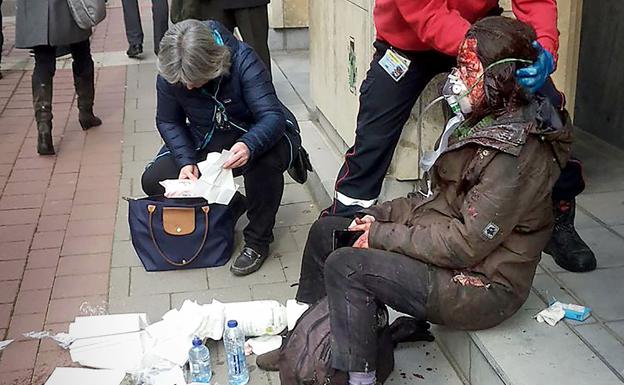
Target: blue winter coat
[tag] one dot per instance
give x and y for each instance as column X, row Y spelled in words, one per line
column 186, row 118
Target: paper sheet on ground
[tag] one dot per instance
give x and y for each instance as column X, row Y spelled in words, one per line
column 118, row 351
column 81, row 376
column 103, row 325
column 4, row 344
column 216, row 184
column 174, row 376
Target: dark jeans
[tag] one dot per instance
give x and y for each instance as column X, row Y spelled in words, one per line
column 253, row 24
column 385, row 106
column 132, row 20
column 264, row 186
column 356, row 282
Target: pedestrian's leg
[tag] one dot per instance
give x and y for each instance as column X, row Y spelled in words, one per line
column 264, row 186
column 357, row 282
column 84, row 82
column 160, row 12
column 223, row 16
column 162, row 168
column 42, row 81
column 385, row 106
column 253, row 24
column 134, row 31
column 318, row 247
column 566, row 245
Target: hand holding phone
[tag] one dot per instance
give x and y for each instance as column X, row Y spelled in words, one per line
column 346, row 238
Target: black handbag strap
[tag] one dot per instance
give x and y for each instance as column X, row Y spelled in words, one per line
column 151, row 209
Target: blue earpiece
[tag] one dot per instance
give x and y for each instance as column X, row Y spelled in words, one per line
column 217, row 37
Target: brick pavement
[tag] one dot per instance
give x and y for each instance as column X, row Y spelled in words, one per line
column 56, row 213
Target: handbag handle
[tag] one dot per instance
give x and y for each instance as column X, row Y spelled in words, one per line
column 151, row 209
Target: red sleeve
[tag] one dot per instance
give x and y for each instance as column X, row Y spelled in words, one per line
column 435, row 24
column 542, row 16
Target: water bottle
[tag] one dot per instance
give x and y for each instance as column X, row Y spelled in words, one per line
column 199, row 361
column 234, row 343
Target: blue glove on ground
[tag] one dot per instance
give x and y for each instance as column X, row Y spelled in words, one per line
column 534, row 76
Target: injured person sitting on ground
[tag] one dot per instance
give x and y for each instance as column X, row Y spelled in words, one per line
column 465, row 254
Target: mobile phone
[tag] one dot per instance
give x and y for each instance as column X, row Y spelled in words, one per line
column 346, row 238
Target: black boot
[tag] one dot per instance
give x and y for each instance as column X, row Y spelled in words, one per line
column 566, row 246
column 42, row 104
column 85, row 89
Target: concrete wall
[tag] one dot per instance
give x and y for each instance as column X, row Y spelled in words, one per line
column 288, row 13
column 338, row 27
column 288, row 20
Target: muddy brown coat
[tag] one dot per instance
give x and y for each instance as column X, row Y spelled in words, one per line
column 489, row 217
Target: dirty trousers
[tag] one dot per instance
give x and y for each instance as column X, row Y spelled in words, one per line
column 356, row 282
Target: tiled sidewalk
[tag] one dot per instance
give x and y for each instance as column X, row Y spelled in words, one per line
column 57, row 213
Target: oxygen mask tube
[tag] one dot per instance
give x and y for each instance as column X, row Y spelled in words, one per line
column 454, row 91
column 453, row 100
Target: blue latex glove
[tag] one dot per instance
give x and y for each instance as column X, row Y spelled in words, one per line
column 534, row 76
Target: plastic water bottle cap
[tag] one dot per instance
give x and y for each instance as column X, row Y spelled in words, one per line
column 197, row 341
column 232, row 323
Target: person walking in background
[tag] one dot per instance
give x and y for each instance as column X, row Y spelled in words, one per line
column 134, row 31
column 55, row 27
column 250, row 16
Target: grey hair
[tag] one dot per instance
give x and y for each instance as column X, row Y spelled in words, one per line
column 190, row 55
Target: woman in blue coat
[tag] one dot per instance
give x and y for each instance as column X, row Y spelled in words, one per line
column 215, row 93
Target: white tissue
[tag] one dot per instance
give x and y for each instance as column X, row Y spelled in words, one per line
column 552, row 314
column 294, row 310
column 216, row 184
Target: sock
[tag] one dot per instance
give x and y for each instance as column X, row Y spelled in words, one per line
column 362, row 378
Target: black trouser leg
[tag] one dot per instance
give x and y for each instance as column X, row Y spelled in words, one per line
column 132, row 21
column 160, row 18
column 42, row 81
column 385, row 106
column 318, row 247
column 264, row 186
column 253, row 24
column 162, row 168
column 570, row 182
column 223, row 16
column 357, row 281
column 84, row 74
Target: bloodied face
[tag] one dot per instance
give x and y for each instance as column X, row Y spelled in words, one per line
column 471, row 71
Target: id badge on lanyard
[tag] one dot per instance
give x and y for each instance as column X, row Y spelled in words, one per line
column 395, row 64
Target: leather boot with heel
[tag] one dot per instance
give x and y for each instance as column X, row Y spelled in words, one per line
column 85, row 89
column 42, row 104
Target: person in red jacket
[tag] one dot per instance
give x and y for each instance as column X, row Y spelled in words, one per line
column 415, row 41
